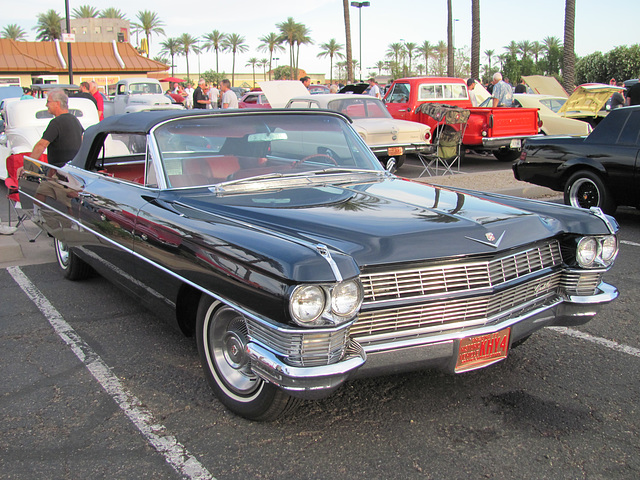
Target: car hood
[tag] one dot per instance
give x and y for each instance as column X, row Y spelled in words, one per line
column 388, row 222
column 545, row 85
column 588, row 98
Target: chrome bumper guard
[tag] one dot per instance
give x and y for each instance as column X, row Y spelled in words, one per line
column 438, row 351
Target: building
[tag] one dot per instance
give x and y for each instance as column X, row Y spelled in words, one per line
column 27, row 63
column 98, row 29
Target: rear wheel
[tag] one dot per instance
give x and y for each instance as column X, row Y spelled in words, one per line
column 222, row 336
column 507, row 154
column 73, row 268
column 585, row 189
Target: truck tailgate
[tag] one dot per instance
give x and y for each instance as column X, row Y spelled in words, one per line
column 510, row 122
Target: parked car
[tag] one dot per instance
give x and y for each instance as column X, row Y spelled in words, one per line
column 316, row 89
column 552, row 122
column 254, row 99
column 277, row 239
column 139, row 95
column 386, row 137
column 499, row 130
column 599, row 170
column 26, row 121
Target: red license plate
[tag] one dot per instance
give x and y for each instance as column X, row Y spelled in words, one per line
column 482, row 350
column 395, row 150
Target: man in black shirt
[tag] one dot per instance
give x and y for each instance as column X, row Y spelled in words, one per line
column 86, row 93
column 63, row 135
column 200, row 98
column 633, row 94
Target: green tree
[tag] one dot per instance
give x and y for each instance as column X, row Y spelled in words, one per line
column 283, row 72
column 48, row 26
column 85, row 11
column 552, row 49
column 568, row 55
column 302, row 38
column 331, row 49
column 188, row 44
column 213, row 41
column 234, row 43
column 289, row 32
column 14, row 32
column 171, row 47
column 426, row 50
column 149, row 23
column 271, row 43
column 213, row 77
column 264, row 63
column 524, row 49
column 409, row 48
column 253, row 61
column 111, row 12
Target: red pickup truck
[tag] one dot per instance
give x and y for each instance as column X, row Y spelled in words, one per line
column 500, row 130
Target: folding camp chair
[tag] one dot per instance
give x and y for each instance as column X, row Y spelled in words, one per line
column 14, row 162
column 451, row 123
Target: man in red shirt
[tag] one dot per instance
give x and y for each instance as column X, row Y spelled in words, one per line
column 99, row 100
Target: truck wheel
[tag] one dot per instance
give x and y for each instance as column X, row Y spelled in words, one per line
column 507, row 154
column 585, row 189
column 73, row 268
column 221, row 335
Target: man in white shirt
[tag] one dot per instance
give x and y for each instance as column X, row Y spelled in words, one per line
column 374, row 89
column 229, row 98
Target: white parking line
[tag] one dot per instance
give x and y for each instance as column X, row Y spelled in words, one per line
column 628, row 242
column 618, row 347
column 173, row 451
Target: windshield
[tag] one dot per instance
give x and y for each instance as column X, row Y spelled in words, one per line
column 360, row 107
column 213, row 149
column 145, row 88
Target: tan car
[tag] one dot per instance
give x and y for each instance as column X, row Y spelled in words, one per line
column 552, row 122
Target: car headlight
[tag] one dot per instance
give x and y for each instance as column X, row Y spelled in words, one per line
column 346, row 298
column 587, row 251
column 608, row 249
column 307, row 303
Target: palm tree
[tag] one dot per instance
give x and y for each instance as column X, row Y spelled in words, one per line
column 380, row 64
column 234, row 43
column 410, row 47
column 524, row 48
column 569, row 55
column 347, row 28
column 331, row 49
column 270, row 43
column 171, row 47
column 450, row 59
column 48, row 26
column 442, row 50
column 394, row 50
column 536, row 50
column 475, row 39
column 512, row 49
column 213, row 41
column 149, row 23
column 253, row 61
column 187, row 44
column 426, row 50
column 112, row 12
column 289, row 31
column 14, row 32
column 263, row 63
column 85, row 11
column 489, row 54
column 302, row 38
column 552, row 48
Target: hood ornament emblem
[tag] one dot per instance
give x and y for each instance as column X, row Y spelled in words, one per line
column 490, row 239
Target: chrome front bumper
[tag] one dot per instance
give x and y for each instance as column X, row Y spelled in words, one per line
column 438, row 351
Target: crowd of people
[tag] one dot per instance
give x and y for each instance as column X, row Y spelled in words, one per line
column 205, row 95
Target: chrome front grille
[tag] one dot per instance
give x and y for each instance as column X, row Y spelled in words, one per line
column 406, row 284
column 438, row 316
column 303, row 348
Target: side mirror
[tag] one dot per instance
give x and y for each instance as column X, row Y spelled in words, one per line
column 391, row 165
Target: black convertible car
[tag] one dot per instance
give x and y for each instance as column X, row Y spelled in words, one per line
column 276, row 239
column 594, row 171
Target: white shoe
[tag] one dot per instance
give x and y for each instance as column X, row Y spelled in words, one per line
column 6, row 230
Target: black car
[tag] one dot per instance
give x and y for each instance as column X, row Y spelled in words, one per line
column 599, row 170
column 277, row 240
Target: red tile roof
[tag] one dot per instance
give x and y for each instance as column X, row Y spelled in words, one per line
column 88, row 57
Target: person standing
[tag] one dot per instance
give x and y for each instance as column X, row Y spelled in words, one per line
column 63, row 135
column 502, row 93
column 521, row 87
column 633, row 94
column 200, row 98
column 85, row 92
column 27, row 94
column 93, row 89
column 229, row 98
column 471, row 84
column 374, row 89
column 617, row 99
column 214, row 96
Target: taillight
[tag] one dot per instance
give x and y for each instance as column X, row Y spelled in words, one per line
column 539, row 121
column 523, row 155
column 427, row 136
column 485, row 130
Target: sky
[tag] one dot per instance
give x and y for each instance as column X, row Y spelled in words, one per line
column 382, row 23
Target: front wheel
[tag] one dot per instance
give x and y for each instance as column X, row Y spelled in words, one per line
column 585, row 189
column 73, row 268
column 507, row 154
column 222, row 336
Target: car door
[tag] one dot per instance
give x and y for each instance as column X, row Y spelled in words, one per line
column 397, row 100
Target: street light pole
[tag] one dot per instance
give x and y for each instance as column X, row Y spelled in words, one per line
column 359, row 6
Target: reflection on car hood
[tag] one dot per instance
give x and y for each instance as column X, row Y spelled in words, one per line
column 588, row 98
column 391, row 221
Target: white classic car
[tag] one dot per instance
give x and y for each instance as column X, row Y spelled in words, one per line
column 26, row 120
column 552, row 122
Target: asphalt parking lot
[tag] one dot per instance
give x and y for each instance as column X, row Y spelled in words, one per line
column 95, row 386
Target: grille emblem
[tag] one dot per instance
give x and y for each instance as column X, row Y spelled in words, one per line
column 490, row 239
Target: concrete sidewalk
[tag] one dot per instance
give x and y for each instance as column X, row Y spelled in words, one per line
column 16, row 250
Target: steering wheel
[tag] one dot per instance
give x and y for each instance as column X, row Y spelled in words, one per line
column 318, row 155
